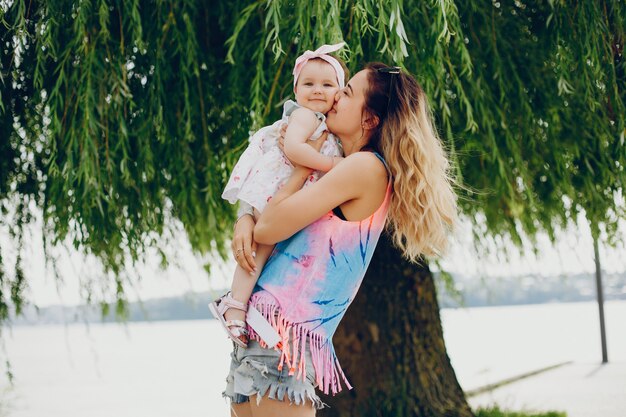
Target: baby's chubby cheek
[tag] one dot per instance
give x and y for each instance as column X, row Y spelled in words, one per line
column 330, row 103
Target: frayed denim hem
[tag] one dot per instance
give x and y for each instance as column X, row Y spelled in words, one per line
column 257, row 374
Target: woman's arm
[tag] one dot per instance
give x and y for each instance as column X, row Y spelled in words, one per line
column 361, row 176
column 302, row 124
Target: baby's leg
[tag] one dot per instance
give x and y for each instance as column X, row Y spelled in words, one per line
column 244, row 282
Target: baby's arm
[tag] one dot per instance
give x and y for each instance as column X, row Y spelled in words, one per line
column 302, row 124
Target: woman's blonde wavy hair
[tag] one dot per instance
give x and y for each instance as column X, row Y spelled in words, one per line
column 423, row 208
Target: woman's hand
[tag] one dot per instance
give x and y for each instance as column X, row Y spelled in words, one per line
column 243, row 244
column 281, row 142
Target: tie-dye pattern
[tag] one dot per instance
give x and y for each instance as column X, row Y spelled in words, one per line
column 307, row 285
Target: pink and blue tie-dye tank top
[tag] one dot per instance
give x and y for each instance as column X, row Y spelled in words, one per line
column 307, row 285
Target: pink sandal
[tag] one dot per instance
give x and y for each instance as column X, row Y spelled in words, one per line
column 234, row 328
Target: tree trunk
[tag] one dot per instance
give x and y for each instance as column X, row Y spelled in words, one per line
column 390, row 344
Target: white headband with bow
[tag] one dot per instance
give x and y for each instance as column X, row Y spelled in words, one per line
column 322, row 53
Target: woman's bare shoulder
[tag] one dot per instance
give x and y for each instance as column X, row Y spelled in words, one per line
column 361, row 177
column 367, row 165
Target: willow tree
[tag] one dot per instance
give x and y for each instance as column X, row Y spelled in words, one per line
column 119, row 118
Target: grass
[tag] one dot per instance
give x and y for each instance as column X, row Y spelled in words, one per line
column 495, row 411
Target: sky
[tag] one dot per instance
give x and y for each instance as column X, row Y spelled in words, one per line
column 572, row 255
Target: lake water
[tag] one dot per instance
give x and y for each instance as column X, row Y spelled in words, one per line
column 160, row 369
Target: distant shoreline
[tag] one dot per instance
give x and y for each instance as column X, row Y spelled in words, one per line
column 186, row 308
column 469, row 292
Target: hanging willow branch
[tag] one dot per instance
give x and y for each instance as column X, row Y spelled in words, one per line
column 118, row 118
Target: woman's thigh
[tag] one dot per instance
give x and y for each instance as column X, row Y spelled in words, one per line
column 254, row 371
column 269, row 407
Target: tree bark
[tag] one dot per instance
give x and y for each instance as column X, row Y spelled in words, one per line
column 391, row 347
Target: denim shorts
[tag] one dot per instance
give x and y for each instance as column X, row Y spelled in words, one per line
column 254, row 370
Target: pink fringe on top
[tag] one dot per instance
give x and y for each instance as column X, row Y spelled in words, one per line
column 325, row 362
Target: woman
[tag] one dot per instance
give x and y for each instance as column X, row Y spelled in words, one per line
column 395, row 173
